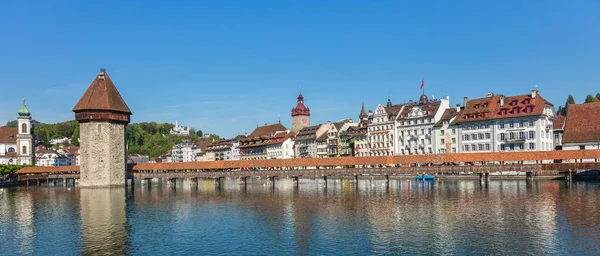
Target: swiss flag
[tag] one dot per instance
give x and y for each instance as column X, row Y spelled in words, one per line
column 356, row 149
column 241, row 152
column 422, row 82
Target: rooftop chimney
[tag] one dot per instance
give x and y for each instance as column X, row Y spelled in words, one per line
column 465, row 100
column 457, row 107
column 501, row 101
column 534, row 93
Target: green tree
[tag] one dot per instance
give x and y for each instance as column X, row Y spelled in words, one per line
column 590, row 99
column 199, row 133
column 598, row 96
column 570, row 100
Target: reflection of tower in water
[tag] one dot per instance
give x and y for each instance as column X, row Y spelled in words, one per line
column 103, row 221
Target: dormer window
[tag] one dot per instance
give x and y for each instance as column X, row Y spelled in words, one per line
column 528, row 109
column 503, row 111
column 526, row 101
column 516, row 110
column 513, row 103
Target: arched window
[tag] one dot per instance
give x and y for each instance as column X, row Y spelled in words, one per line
column 24, row 151
column 24, row 128
column 11, row 150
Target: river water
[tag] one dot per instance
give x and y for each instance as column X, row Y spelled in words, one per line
column 406, row 217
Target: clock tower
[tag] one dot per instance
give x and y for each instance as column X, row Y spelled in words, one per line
column 300, row 115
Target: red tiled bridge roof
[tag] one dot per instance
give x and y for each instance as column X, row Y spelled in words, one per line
column 342, row 161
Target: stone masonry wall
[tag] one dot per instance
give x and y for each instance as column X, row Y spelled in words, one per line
column 102, row 154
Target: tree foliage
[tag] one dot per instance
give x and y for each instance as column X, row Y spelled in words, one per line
column 154, row 139
column 589, row 99
column 565, row 109
column 46, row 132
column 10, row 168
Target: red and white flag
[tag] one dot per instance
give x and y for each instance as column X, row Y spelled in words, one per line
column 241, row 152
column 422, row 82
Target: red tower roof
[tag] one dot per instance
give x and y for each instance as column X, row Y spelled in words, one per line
column 102, row 95
column 300, row 109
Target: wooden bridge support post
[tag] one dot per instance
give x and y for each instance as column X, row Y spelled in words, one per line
column 356, row 178
column 487, row 177
column 568, row 176
column 27, row 182
column 64, row 182
column 529, row 177
column 172, row 182
column 194, row 182
column 480, row 176
column 325, row 179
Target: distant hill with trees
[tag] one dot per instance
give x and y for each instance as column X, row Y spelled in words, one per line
column 148, row 138
column 562, row 110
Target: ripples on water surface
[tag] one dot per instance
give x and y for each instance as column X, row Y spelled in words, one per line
column 445, row 217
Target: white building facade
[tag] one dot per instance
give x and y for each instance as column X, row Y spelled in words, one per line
column 414, row 125
column 497, row 124
column 381, row 129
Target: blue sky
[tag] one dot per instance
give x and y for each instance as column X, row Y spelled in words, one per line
column 224, row 66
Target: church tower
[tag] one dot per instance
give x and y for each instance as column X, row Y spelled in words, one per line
column 24, row 137
column 103, row 117
column 300, row 115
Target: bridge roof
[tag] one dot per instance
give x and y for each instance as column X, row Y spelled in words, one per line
column 102, row 95
column 386, row 160
column 56, row 169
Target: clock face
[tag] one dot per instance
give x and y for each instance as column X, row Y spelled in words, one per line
column 304, row 120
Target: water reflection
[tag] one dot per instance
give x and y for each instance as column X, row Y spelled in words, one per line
column 369, row 217
column 103, row 221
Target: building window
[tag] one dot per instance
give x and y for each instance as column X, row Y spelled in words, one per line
column 480, row 136
column 453, row 131
column 531, row 145
column 511, row 124
column 443, row 141
column 502, row 136
column 24, row 128
column 581, row 147
column 473, row 147
column 453, row 150
column 487, row 147
column 501, row 125
column 480, row 147
column 531, row 123
column 24, row 151
column 453, row 140
column 503, row 147
column 473, row 136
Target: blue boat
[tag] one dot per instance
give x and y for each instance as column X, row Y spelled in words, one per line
column 425, row 177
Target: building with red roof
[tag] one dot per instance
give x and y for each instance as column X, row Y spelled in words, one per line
column 497, row 123
column 582, row 127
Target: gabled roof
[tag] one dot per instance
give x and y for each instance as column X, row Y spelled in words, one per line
column 559, row 122
column 267, row 130
column 449, row 113
column 583, row 123
column 8, row 135
column 102, row 95
column 489, row 108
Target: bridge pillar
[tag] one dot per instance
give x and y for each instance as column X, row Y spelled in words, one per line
column 325, row 179
column 172, row 182
column 487, row 177
column 568, row 176
column 64, row 182
column 355, row 178
column 529, row 176
column 387, row 178
column 194, row 182
column 27, row 182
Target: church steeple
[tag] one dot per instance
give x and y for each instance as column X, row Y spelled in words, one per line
column 389, row 102
column 300, row 115
column 363, row 113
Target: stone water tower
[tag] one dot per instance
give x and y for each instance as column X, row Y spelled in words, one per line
column 103, row 117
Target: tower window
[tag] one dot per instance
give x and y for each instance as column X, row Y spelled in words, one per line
column 24, row 151
column 24, row 128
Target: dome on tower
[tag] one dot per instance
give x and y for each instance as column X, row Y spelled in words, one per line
column 423, row 98
column 300, row 108
column 23, row 111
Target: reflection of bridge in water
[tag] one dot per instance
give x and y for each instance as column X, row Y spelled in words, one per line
column 528, row 163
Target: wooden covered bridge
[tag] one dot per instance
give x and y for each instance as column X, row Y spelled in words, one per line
column 532, row 163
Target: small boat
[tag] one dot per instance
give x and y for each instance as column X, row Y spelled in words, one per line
column 425, row 177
